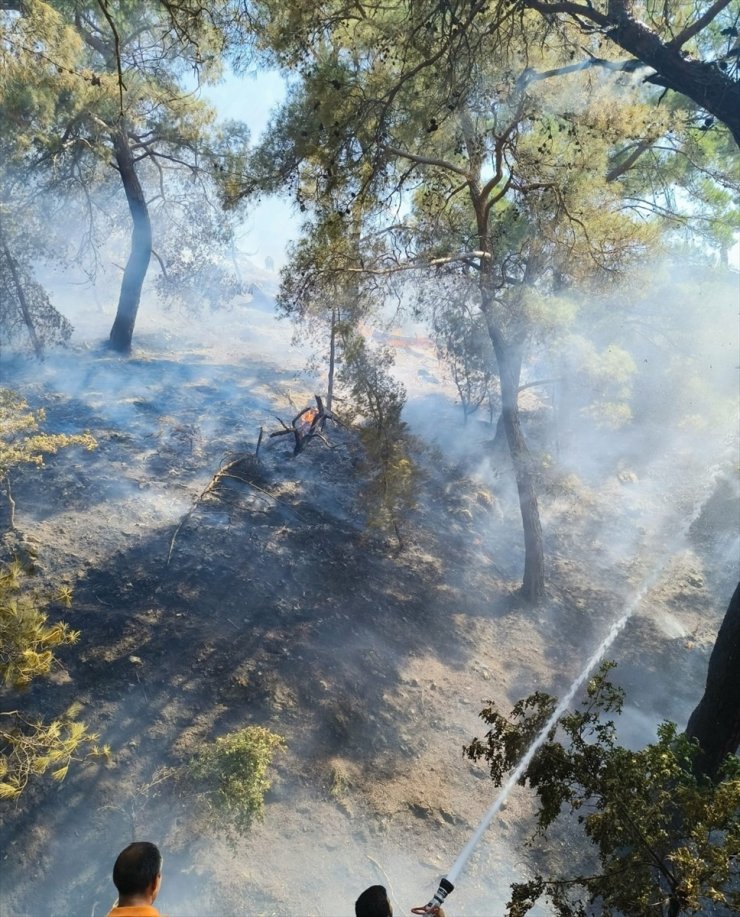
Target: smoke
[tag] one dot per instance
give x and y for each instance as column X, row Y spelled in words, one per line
column 324, row 637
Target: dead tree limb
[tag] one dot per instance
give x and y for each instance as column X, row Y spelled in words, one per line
column 201, row 496
column 226, row 471
column 306, row 425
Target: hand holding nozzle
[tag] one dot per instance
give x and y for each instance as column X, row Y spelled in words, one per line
column 435, row 905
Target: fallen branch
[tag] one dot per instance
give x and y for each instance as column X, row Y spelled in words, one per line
column 306, row 425
column 225, row 472
column 221, row 473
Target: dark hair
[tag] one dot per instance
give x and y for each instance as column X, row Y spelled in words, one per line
column 373, row 902
column 136, row 868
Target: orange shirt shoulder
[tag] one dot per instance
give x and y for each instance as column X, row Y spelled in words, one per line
column 139, row 910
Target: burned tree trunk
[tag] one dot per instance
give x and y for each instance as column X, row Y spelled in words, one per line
column 509, row 363
column 141, row 245
column 715, row 723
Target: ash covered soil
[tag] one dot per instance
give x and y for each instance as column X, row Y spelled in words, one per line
column 269, row 601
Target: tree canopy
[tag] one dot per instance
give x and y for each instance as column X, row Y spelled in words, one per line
column 93, row 86
column 478, row 162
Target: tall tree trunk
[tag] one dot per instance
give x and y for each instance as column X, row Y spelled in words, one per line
column 508, row 358
column 332, row 359
column 500, row 439
column 21, row 295
column 141, row 245
column 715, row 723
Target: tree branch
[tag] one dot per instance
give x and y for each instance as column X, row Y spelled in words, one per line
column 427, row 161
column 617, row 171
column 161, row 264
column 103, row 4
column 577, row 10
column 702, row 22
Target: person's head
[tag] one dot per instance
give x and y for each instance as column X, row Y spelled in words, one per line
column 373, row 902
column 137, row 872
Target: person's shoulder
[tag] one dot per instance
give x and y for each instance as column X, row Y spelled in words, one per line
column 139, row 910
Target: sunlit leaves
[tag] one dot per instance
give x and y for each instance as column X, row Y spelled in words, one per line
column 231, row 774
column 644, row 811
column 27, row 640
column 22, row 441
column 30, row 747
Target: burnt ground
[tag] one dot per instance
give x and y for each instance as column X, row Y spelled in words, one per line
column 279, row 606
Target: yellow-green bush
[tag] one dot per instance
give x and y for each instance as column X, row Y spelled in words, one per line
column 231, row 775
column 30, row 747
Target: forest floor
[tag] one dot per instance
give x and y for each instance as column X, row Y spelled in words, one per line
column 275, row 605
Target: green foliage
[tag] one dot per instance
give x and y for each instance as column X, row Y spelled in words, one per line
column 30, row 747
column 377, row 400
column 21, row 439
column 645, row 813
column 80, row 81
column 462, row 342
column 231, row 775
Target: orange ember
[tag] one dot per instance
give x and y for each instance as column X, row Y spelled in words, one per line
column 308, row 417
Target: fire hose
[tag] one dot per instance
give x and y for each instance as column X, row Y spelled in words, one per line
column 447, row 883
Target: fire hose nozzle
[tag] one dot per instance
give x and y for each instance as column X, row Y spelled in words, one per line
column 445, row 887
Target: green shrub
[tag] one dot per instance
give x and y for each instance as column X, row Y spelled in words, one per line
column 231, row 774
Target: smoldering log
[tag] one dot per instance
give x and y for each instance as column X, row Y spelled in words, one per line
column 307, row 425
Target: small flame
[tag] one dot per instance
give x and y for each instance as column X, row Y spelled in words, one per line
column 308, row 418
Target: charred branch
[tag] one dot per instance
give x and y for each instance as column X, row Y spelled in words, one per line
column 229, row 470
column 307, row 425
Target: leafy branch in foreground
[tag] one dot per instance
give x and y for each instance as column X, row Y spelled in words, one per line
column 666, row 842
column 30, row 747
